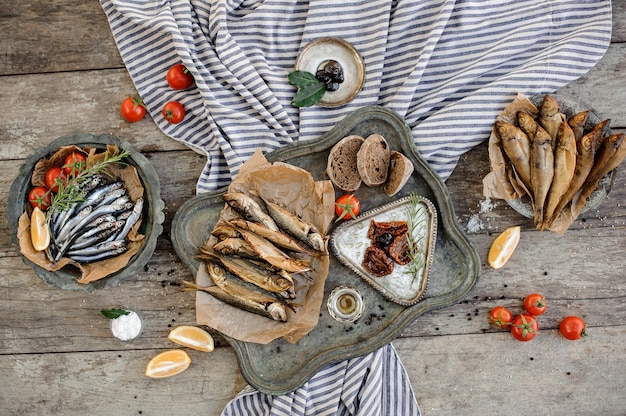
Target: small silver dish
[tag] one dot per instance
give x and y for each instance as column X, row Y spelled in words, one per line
column 316, row 53
column 345, row 304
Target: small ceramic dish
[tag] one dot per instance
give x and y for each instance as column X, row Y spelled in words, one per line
column 319, row 52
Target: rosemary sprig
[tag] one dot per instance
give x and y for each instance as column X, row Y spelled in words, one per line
column 414, row 223
column 70, row 189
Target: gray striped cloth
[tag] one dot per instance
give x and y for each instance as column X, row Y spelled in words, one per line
column 448, row 67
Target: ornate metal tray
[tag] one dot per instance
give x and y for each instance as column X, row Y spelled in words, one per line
column 280, row 367
column 405, row 284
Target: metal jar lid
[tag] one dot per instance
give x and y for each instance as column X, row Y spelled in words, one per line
column 345, row 304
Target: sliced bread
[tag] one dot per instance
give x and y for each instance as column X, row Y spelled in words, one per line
column 400, row 170
column 373, row 160
column 342, row 163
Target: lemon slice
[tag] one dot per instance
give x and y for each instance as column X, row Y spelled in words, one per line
column 168, row 363
column 39, row 232
column 192, row 337
column 503, row 247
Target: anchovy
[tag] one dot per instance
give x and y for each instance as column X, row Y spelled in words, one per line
column 294, row 226
column 96, row 235
column 248, row 271
column 132, row 219
column 250, row 209
column 100, row 256
column 241, row 295
column 98, row 248
column 64, row 231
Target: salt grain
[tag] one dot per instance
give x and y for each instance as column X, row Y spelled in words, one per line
column 126, row 327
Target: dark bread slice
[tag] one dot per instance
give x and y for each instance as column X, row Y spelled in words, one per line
column 400, row 170
column 342, row 166
column 373, row 160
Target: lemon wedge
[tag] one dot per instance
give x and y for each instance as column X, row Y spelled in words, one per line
column 168, row 363
column 503, row 247
column 39, row 232
column 192, row 337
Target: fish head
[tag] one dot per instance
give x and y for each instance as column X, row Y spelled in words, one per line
column 216, row 273
column 277, row 312
column 549, row 106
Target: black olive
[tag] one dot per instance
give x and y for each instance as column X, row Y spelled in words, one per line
column 332, row 86
column 384, row 240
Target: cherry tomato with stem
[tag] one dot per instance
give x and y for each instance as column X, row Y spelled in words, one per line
column 174, row 112
column 347, row 206
column 524, row 327
column 74, row 163
column 535, row 304
column 501, row 317
column 178, row 77
column 39, row 196
column 573, row 328
column 55, row 176
column 133, row 109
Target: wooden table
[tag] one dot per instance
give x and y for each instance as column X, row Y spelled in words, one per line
column 61, row 74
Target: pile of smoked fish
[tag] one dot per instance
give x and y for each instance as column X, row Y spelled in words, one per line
column 253, row 259
column 557, row 160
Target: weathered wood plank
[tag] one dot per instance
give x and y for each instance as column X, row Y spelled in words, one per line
column 495, row 375
column 113, row 383
column 76, row 36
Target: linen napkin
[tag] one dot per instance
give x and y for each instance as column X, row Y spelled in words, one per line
column 448, row 67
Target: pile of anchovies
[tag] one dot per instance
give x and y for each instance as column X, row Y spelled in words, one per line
column 95, row 228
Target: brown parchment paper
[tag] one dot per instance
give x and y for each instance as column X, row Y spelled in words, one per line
column 501, row 182
column 90, row 272
column 295, row 189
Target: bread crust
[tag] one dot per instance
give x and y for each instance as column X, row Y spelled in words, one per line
column 342, row 167
column 373, row 160
column 400, row 170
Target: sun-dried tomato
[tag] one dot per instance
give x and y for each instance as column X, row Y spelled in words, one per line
column 376, row 261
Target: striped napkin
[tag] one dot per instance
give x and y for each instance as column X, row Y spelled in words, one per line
column 448, row 67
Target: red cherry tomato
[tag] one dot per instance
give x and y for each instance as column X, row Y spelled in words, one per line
column 501, row 317
column 178, row 77
column 133, row 109
column 347, row 206
column 174, row 112
column 39, row 196
column 74, row 163
column 524, row 327
column 55, row 176
column 573, row 328
column 535, row 304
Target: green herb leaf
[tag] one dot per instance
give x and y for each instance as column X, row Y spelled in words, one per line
column 70, row 192
column 302, row 79
column 417, row 257
column 309, row 95
column 113, row 313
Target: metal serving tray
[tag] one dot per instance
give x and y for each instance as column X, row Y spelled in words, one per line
column 280, row 367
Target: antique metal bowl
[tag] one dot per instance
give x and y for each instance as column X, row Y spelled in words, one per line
column 152, row 213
